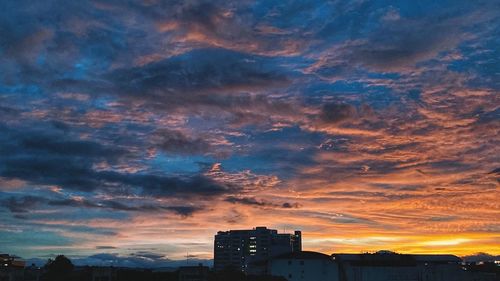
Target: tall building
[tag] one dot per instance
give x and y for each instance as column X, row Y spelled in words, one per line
column 238, row 248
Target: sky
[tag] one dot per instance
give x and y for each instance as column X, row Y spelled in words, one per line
column 132, row 131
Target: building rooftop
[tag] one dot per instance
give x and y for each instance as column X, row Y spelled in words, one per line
column 394, row 258
column 303, row 255
column 438, row 258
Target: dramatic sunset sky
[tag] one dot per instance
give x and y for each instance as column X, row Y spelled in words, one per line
column 131, row 131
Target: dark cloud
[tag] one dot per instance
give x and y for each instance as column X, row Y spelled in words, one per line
column 204, row 80
column 394, row 46
column 335, row 112
column 398, row 37
column 180, row 210
column 26, row 204
column 49, row 157
column 49, row 170
column 56, row 41
column 390, row 195
column 235, row 26
column 177, row 142
column 252, row 201
column 203, row 14
column 57, row 159
column 248, row 201
column 8, row 112
column 73, row 203
column 343, row 218
column 235, row 217
column 91, row 53
column 54, row 145
column 20, row 205
column 287, row 205
column 164, row 186
column 199, row 70
column 495, row 171
column 184, row 210
column 444, row 218
column 196, row 82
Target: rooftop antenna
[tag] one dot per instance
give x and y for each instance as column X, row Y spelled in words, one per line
column 187, row 258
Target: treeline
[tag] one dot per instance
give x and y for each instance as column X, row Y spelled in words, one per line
column 233, row 275
column 62, row 269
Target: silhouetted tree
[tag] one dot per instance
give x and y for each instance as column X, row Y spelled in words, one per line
column 228, row 274
column 232, row 274
column 265, row 278
column 59, row 269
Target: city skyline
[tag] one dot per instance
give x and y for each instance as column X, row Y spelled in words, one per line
column 258, row 244
column 139, row 129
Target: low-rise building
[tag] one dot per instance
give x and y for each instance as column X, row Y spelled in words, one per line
column 11, row 268
column 388, row 266
column 381, row 266
column 304, row 265
column 107, row 273
column 11, row 261
column 193, row 273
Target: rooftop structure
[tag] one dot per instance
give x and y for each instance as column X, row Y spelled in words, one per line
column 238, row 248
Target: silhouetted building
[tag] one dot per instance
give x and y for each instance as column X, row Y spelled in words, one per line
column 193, row 273
column 303, row 266
column 32, row 273
column 389, row 266
column 11, row 261
column 381, row 266
column 238, row 248
column 483, row 271
column 104, row 274
column 11, row 268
